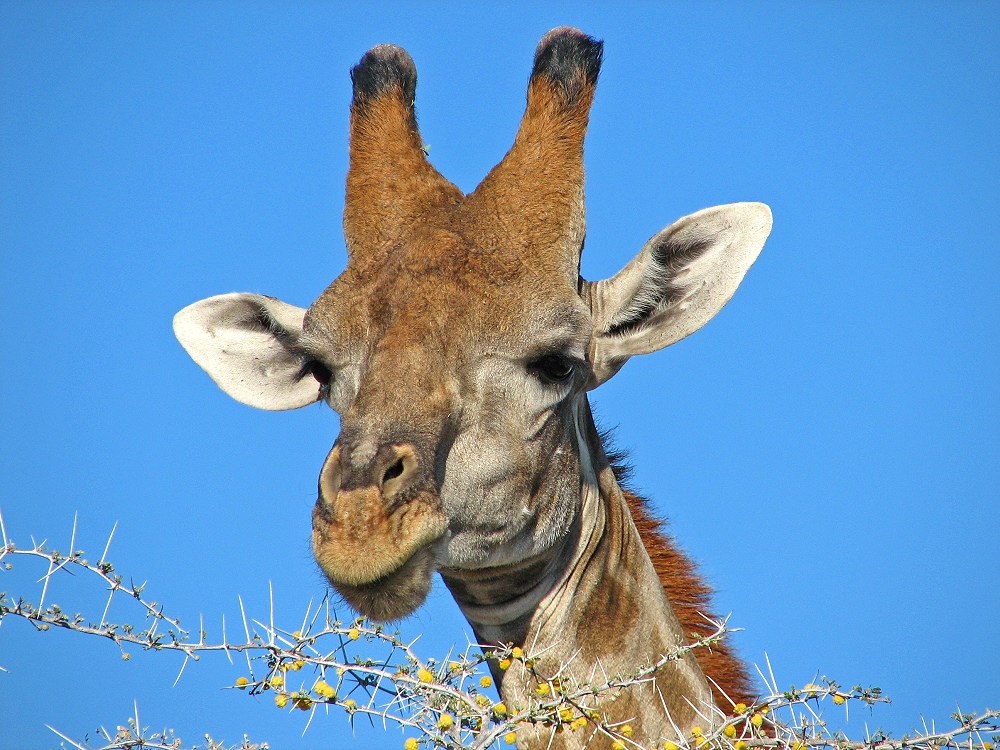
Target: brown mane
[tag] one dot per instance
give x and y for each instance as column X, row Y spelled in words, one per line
column 691, row 598
column 686, row 590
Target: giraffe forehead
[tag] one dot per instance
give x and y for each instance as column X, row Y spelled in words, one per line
column 440, row 292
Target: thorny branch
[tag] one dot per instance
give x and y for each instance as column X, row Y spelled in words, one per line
column 313, row 667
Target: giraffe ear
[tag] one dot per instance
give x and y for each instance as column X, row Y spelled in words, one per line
column 249, row 345
column 682, row 277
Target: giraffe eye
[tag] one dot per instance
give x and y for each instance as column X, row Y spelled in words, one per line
column 554, row 369
column 320, row 372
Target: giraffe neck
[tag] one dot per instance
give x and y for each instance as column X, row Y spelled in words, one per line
column 590, row 608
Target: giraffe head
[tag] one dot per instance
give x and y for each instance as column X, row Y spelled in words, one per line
column 459, row 343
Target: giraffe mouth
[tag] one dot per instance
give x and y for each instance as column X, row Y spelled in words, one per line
column 396, row 594
column 381, row 563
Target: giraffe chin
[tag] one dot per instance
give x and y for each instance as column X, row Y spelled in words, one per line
column 395, row 595
column 381, row 565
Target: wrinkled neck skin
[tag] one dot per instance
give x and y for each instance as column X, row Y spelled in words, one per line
column 588, row 609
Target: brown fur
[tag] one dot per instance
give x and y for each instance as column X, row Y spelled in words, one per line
column 531, row 203
column 435, row 347
column 391, row 186
column 691, row 596
column 528, row 210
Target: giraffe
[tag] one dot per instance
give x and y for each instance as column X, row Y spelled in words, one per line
column 458, row 347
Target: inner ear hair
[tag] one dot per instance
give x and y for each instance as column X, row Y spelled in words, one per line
column 681, row 278
column 265, row 321
column 670, row 260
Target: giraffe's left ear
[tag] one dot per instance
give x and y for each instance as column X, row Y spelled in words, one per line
column 682, row 277
column 249, row 345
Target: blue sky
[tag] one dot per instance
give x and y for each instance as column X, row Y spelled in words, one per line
column 826, row 448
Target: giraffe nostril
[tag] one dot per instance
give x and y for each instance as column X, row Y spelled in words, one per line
column 393, row 471
column 400, row 475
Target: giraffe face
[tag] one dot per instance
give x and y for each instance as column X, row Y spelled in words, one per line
column 459, row 343
column 454, row 381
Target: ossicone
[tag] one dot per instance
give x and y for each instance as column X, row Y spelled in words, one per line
column 384, row 69
column 570, row 60
column 391, row 185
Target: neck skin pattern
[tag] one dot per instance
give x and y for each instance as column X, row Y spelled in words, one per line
column 589, row 609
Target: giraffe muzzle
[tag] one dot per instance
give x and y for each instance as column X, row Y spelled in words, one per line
column 373, row 528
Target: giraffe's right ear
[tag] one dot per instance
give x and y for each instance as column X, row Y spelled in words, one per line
column 249, row 345
column 682, row 277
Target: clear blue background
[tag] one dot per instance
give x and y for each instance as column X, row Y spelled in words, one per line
column 827, row 448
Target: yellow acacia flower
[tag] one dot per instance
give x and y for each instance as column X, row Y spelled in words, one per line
column 757, row 720
column 445, row 721
column 542, row 689
column 504, row 663
column 303, row 702
column 354, row 634
column 510, row 738
column 626, row 730
column 350, row 706
column 324, row 690
column 740, row 708
column 729, row 731
column 297, row 634
column 517, row 653
column 500, row 709
column 740, row 745
column 668, row 745
column 425, row 675
column 839, row 699
column 297, row 665
column 454, row 666
column 566, row 714
column 697, row 731
column 277, row 681
column 482, row 701
column 281, row 700
column 410, row 744
column 763, row 710
column 617, row 745
column 486, row 682
column 242, row 682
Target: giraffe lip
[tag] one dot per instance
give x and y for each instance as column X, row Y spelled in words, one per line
column 397, row 593
column 365, row 545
